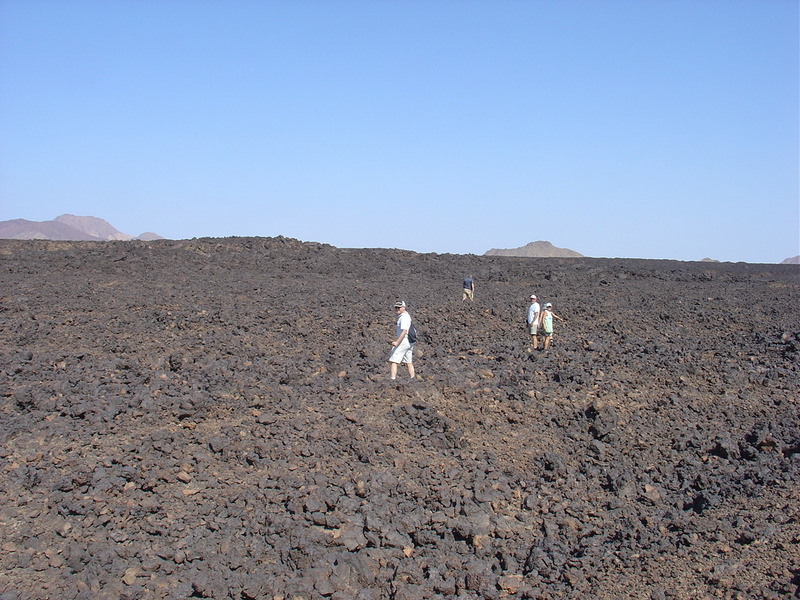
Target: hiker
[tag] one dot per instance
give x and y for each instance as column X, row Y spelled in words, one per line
column 546, row 324
column 533, row 321
column 469, row 288
column 402, row 346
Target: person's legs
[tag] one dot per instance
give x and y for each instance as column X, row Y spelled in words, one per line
column 411, row 372
column 401, row 354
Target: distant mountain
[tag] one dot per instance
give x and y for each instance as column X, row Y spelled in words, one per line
column 22, row 229
column 97, row 228
column 67, row 227
column 539, row 249
column 792, row 261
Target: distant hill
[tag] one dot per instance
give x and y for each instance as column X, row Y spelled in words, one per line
column 540, row 249
column 68, row 228
column 792, row 261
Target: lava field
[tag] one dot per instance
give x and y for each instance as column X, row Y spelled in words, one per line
column 213, row 418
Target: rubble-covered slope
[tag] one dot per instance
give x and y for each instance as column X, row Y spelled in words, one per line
column 213, row 419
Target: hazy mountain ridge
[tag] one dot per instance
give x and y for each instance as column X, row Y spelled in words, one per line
column 67, row 228
column 540, row 249
column 544, row 249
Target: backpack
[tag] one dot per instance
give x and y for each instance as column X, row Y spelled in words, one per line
column 412, row 334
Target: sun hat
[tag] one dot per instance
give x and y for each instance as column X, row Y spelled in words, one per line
column 399, row 304
column 548, row 305
column 533, row 296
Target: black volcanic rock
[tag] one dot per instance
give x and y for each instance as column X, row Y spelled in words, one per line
column 213, row 419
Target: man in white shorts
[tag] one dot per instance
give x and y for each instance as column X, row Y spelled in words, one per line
column 401, row 353
column 533, row 321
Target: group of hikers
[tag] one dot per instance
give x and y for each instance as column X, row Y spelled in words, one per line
column 539, row 323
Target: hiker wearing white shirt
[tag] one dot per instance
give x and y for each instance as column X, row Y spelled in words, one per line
column 402, row 346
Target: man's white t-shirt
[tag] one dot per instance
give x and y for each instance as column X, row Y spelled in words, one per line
column 403, row 322
column 533, row 313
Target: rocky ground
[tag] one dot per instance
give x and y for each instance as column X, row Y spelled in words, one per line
column 213, row 419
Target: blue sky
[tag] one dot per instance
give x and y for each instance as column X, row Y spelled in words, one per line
column 643, row 129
